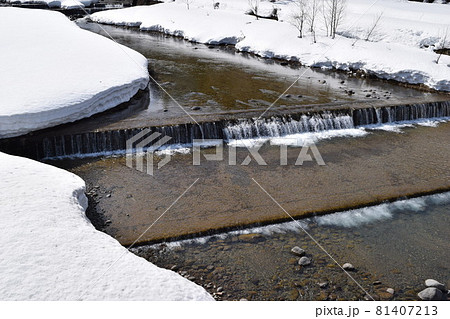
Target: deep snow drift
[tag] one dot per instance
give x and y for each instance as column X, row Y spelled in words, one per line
column 400, row 48
column 53, row 72
column 49, row 250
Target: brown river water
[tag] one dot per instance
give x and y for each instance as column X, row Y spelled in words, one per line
column 396, row 245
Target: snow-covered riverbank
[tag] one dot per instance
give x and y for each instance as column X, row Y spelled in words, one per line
column 49, row 250
column 64, row 4
column 52, row 72
column 55, row 72
column 400, row 48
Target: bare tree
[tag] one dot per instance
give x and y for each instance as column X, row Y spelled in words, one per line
column 188, row 3
column 333, row 11
column 326, row 17
column 374, row 25
column 313, row 10
column 371, row 29
column 443, row 45
column 300, row 15
column 254, row 5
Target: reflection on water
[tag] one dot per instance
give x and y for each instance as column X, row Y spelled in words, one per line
column 396, row 245
column 216, row 78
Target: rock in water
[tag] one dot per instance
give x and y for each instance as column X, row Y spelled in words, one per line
column 304, row 261
column 348, row 267
column 298, row 251
column 431, row 293
column 435, row 284
column 323, row 285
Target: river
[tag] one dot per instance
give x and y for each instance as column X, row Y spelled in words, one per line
column 396, row 246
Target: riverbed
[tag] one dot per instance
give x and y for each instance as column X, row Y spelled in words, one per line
column 393, row 246
column 399, row 250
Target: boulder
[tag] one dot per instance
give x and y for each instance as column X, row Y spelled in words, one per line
column 431, row 293
column 435, row 284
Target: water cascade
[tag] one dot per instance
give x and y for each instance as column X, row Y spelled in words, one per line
column 96, row 143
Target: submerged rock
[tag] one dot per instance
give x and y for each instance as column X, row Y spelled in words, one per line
column 384, row 295
column 376, row 283
column 323, row 285
column 431, row 293
column 348, row 267
column 304, row 261
column 298, row 251
column 253, row 237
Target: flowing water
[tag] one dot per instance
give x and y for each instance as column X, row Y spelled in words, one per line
column 225, row 87
column 399, row 150
column 396, row 245
column 220, row 79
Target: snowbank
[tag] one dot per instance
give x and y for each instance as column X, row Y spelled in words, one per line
column 65, row 4
column 400, row 48
column 50, row 251
column 53, row 72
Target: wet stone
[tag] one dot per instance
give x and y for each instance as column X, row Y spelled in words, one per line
column 431, row 293
column 348, row 267
column 298, row 251
column 376, row 283
column 323, row 285
column 304, row 261
column 435, row 284
column 384, row 295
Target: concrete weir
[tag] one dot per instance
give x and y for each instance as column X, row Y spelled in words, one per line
column 382, row 166
column 107, row 133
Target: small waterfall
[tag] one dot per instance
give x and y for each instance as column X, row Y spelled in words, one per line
column 109, row 142
column 103, row 142
column 281, row 126
column 401, row 113
column 42, row 145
